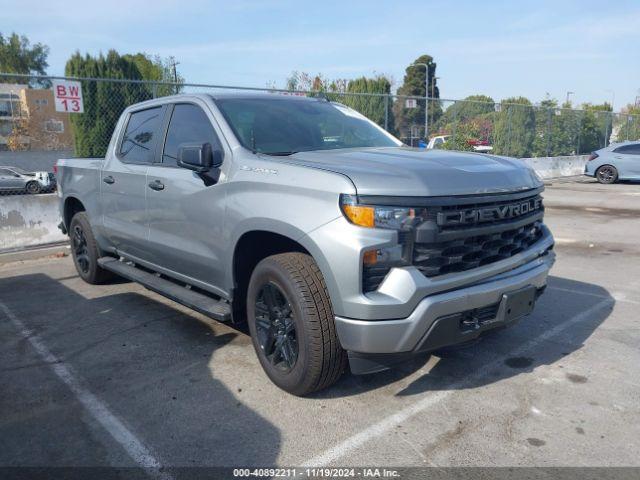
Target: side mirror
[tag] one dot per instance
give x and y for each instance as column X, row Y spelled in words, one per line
column 199, row 157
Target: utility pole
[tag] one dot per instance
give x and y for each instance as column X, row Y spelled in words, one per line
column 426, row 98
column 433, row 86
column 174, row 64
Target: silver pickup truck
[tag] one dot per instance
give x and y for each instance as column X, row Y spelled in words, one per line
column 332, row 240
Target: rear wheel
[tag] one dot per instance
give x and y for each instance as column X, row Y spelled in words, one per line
column 33, row 188
column 85, row 250
column 292, row 326
column 607, row 174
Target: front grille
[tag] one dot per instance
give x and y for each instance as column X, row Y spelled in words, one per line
column 462, row 233
column 461, row 254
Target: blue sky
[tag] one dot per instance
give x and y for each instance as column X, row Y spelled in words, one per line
column 493, row 47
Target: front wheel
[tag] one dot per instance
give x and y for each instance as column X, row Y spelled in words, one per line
column 292, row 325
column 607, row 174
column 33, row 188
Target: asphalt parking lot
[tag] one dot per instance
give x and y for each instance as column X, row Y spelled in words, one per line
column 118, row 376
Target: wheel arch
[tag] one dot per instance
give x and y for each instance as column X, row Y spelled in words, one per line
column 252, row 246
column 72, row 205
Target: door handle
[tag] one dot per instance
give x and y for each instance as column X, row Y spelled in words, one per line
column 109, row 180
column 156, row 185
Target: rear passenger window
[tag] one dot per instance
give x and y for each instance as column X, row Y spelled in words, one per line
column 189, row 124
column 629, row 150
column 140, row 136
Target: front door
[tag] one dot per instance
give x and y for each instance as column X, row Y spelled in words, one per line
column 185, row 209
column 123, row 184
column 10, row 180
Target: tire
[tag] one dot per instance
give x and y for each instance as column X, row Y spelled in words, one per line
column 85, row 251
column 33, row 188
column 299, row 324
column 607, row 174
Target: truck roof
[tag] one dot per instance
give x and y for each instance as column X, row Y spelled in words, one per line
column 224, row 95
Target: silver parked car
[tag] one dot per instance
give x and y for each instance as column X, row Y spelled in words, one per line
column 619, row 161
column 15, row 179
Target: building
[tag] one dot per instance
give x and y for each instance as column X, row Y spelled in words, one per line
column 11, row 110
column 47, row 129
column 29, row 121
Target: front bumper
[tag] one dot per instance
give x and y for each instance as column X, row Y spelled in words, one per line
column 435, row 322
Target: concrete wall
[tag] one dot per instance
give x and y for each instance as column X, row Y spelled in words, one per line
column 32, row 220
column 28, row 221
column 552, row 167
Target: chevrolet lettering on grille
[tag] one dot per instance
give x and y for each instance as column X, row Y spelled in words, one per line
column 489, row 214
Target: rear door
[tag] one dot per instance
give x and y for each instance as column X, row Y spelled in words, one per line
column 185, row 209
column 123, row 182
column 628, row 160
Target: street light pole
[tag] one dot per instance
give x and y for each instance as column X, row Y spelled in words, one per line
column 568, row 95
column 426, row 98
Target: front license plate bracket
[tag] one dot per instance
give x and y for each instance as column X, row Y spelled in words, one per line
column 519, row 303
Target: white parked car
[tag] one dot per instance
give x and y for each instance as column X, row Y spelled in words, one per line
column 19, row 180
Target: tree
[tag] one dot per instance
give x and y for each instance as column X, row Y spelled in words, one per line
column 414, row 85
column 595, row 128
column 17, row 55
column 372, row 107
column 628, row 124
column 155, row 68
column 338, row 90
column 514, row 130
column 304, row 82
column 104, row 101
column 468, row 108
column 469, row 119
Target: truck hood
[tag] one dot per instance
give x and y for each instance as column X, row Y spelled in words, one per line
column 403, row 171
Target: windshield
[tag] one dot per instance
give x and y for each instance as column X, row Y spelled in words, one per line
column 282, row 126
column 20, row 171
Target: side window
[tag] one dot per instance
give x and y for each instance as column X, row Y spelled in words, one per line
column 628, row 150
column 189, row 124
column 138, row 143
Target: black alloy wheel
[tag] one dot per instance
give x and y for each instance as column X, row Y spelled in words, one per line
column 276, row 328
column 85, row 250
column 292, row 324
column 80, row 250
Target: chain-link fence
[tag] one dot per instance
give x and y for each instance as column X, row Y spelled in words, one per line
column 33, row 134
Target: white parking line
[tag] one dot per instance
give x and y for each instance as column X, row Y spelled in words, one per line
column 618, row 296
column 343, row 448
column 120, row 433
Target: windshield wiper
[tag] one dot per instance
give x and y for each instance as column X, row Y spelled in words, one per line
column 279, row 154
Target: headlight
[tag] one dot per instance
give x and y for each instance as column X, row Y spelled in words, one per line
column 377, row 262
column 371, row 216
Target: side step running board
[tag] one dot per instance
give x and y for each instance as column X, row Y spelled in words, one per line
column 216, row 309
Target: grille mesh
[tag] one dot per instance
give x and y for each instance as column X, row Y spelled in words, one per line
column 467, row 245
column 466, row 253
